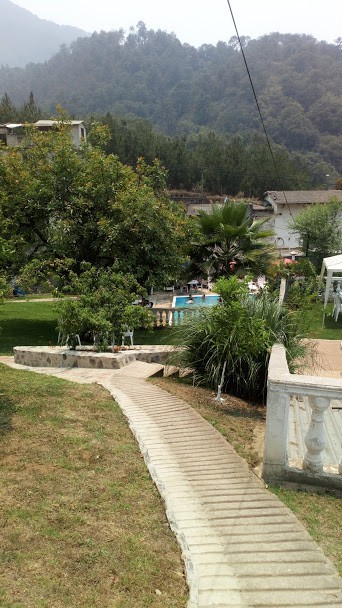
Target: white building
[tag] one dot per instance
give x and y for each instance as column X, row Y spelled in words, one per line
column 77, row 129
column 283, row 206
column 11, row 134
column 280, row 208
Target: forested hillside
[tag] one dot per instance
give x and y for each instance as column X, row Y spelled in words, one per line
column 26, row 38
column 181, row 89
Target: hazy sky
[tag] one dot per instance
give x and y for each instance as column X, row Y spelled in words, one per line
column 197, row 21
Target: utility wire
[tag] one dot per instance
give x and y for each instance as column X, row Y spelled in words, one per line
column 258, row 106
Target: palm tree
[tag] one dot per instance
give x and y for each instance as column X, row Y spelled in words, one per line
column 231, row 239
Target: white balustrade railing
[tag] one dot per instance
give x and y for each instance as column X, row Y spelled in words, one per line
column 171, row 317
column 315, row 437
column 319, row 391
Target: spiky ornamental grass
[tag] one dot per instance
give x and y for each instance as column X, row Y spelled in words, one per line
column 240, row 331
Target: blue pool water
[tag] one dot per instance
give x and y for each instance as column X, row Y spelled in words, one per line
column 182, row 301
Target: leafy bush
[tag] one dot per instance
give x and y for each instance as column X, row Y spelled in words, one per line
column 45, row 276
column 103, row 307
column 302, row 282
column 239, row 334
column 3, row 288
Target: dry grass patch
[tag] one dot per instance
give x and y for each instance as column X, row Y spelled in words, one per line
column 82, row 523
column 320, row 513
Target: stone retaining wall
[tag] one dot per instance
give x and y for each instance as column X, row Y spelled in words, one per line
column 60, row 356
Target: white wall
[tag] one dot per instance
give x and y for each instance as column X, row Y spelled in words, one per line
column 76, row 134
column 279, row 222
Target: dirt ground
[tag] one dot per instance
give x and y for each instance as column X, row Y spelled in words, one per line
column 327, row 360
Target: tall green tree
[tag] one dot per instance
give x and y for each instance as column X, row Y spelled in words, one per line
column 8, row 111
column 58, row 202
column 320, row 231
column 29, row 111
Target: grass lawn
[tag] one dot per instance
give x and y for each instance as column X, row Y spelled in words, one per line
column 332, row 330
column 27, row 324
column 321, row 514
column 82, row 524
column 34, row 323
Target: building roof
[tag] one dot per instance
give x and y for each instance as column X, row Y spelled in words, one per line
column 50, row 123
column 302, row 197
column 12, row 125
column 41, row 123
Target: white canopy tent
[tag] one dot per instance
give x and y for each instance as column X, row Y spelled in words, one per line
column 331, row 266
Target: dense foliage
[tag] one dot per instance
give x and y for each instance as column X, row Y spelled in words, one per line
column 231, row 241
column 103, row 308
column 181, row 89
column 202, row 161
column 302, row 285
column 217, row 162
column 230, row 344
column 320, row 231
column 27, row 112
column 59, row 203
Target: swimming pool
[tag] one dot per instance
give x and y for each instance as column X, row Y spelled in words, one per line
column 198, row 301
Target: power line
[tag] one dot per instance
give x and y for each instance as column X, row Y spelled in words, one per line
column 257, row 104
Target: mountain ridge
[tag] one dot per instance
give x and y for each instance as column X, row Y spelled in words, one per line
column 26, row 38
column 182, row 90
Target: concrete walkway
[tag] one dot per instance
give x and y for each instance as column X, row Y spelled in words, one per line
column 242, row 547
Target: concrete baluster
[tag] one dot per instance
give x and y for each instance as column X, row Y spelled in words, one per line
column 315, row 439
column 276, row 436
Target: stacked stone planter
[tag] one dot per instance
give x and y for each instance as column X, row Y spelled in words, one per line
column 60, row 356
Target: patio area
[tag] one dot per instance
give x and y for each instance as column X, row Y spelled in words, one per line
column 327, row 361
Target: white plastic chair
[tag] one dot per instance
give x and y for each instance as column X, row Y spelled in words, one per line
column 127, row 334
column 66, row 341
column 337, row 305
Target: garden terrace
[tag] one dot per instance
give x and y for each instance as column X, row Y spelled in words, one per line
column 86, row 357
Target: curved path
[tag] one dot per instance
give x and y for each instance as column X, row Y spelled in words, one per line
column 241, row 546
